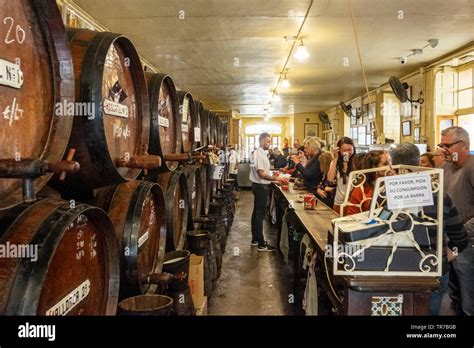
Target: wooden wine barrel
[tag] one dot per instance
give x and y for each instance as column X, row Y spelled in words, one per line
column 208, row 188
column 189, row 116
column 165, row 127
column 219, row 132
column 137, row 210
column 198, row 124
column 195, row 190
column 36, row 77
column 175, row 187
column 212, row 128
column 76, row 271
column 225, row 130
column 205, row 130
column 109, row 81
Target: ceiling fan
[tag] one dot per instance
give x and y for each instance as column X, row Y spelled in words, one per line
column 324, row 118
column 400, row 91
column 348, row 110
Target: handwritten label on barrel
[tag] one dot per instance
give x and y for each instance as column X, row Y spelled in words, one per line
column 217, row 172
column 197, row 134
column 115, row 109
column 184, row 128
column 163, row 121
column 143, row 239
column 185, row 110
column 408, row 191
column 10, row 74
column 71, row 300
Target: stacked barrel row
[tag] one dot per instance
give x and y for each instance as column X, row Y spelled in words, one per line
column 99, row 173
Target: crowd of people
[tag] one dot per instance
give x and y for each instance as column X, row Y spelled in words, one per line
column 326, row 175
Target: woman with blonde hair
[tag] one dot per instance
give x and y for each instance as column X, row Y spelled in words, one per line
column 311, row 171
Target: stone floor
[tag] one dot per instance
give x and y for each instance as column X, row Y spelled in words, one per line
column 251, row 282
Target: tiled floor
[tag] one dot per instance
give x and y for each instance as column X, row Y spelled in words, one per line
column 251, row 282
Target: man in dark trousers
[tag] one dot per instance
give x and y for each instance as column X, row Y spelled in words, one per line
column 261, row 178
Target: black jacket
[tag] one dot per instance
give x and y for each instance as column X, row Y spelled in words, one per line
column 311, row 174
column 280, row 162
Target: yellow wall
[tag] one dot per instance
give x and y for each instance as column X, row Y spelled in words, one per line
column 308, row 117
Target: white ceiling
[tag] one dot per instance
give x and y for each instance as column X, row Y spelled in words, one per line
column 199, row 50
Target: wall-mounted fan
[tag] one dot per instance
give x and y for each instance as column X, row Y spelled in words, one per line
column 400, row 91
column 324, row 118
column 349, row 111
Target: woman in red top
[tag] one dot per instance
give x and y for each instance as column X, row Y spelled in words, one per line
column 361, row 200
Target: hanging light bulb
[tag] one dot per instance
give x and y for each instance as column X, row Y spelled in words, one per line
column 285, row 83
column 301, row 52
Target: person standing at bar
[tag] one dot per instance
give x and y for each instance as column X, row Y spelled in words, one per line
column 459, row 185
column 261, row 180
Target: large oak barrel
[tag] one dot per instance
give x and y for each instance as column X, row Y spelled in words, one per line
column 219, row 132
column 198, row 138
column 205, row 127
column 190, row 120
column 137, row 210
column 36, row 79
column 225, row 130
column 213, row 128
column 76, row 268
column 195, row 191
column 110, row 81
column 208, row 184
column 165, row 128
column 175, row 186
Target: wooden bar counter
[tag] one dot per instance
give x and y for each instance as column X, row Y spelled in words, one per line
column 349, row 295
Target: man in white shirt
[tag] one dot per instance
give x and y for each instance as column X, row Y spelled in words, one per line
column 234, row 160
column 261, row 178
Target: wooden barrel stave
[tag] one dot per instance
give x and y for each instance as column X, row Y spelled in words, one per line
column 189, row 121
column 165, row 126
column 174, row 185
column 39, row 44
column 137, row 210
column 111, row 83
column 202, row 141
column 77, row 259
column 193, row 174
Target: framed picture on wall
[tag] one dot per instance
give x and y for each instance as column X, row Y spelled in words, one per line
column 361, row 137
column 406, row 128
column 372, row 111
column 311, row 130
column 368, row 140
column 365, row 109
column 354, row 133
column 416, row 135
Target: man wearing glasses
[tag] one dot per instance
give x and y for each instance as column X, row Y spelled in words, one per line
column 459, row 185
